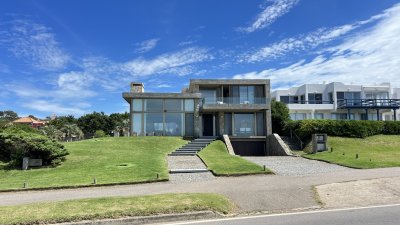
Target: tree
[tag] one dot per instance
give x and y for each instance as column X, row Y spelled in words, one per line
column 90, row 123
column 72, row 131
column 61, row 121
column 8, row 115
column 279, row 116
column 52, row 131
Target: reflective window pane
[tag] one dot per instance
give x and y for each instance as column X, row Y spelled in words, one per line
column 154, row 105
column 244, row 124
column 173, row 124
column 228, row 123
column 189, row 105
column 189, row 124
column 137, row 104
column 173, row 105
column 154, row 123
column 137, row 123
column 260, row 124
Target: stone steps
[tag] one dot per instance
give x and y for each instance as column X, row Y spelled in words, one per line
column 193, row 147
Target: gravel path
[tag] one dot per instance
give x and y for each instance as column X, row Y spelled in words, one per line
column 296, row 166
column 187, row 162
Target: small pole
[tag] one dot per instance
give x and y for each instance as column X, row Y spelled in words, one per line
column 343, row 153
column 357, row 156
column 331, row 149
column 158, row 176
column 25, row 184
column 94, row 180
column 265, row 168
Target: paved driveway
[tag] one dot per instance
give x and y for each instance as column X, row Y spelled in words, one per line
column 296, row 166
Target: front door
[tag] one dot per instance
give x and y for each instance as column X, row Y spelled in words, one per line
column 208, row 128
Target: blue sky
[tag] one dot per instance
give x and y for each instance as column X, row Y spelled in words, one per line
column 75, row 57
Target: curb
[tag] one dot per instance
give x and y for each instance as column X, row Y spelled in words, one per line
column 149, row 219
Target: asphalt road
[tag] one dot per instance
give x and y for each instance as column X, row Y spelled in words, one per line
column 376, row 215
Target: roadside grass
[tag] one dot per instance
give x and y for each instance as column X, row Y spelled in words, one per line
column 373, row 152
column 114, row 207
column 218, row 159
column 109, row 160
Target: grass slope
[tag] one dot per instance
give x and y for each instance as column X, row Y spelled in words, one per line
column 373, row 152
column 221, row 162
column 110, row 160
column 115, row 207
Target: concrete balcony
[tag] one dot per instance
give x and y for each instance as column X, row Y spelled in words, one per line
column 234, row 103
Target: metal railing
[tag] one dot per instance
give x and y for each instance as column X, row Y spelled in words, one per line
column 368, row 103
column 309, row 102
column 234, row 101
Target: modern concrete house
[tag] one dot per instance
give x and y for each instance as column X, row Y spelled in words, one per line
column 339, row 101
column 208, row 107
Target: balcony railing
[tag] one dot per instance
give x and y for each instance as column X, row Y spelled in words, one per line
column 234, row 101
column 369, row 103
column 309, row 102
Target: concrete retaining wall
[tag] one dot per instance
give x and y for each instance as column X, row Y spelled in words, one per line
column 228, row 144
column 276, row 146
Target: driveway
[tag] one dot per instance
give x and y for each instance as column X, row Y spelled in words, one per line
column 296, row 166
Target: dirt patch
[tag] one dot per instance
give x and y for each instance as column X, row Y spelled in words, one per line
column 360, row 193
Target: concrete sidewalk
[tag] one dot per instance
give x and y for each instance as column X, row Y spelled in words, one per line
column 250, row 193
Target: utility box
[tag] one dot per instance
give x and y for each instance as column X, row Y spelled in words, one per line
column 319, row 142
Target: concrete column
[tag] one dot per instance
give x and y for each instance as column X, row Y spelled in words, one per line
column 221, row 121
column 377, row 115
column 268, row 122
column 394, row 115
column 366, row 114
column 197, row 118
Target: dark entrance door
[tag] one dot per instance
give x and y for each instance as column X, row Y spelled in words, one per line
column 207, row 125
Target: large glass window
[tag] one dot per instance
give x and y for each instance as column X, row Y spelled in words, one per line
column 260, row 124
column 209, row 95
column 284, row 99
column 154, row 123
column 228, row 123
column 173, row 124
column 246, row 94
column 298, row 116
column 154, row 105
column 173, row 105
column 189, row 124
column 137, row 123
column 315, row 98
column 189, row 105
column 244, row 124
column 137, row 104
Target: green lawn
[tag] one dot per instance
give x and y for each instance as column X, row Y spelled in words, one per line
column 373, row 152
column 115, row 207
column 221, row 162
column 110, row 160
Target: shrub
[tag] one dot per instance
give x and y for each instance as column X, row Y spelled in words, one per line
column 344, row 128
column 279, row 116
column 15, row 144
column 99, row 134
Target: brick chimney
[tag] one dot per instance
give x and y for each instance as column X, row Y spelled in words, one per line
column 137, row 87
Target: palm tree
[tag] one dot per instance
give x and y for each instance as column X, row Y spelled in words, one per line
column 72, row 131
column 51, row 131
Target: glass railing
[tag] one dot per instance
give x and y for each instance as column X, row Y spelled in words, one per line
column 343, row 103
column 234, row 101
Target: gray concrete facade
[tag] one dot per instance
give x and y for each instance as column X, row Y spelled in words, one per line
column 244, row 102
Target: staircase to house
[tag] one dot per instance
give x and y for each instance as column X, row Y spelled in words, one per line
column 193, row 147
column 292, row 143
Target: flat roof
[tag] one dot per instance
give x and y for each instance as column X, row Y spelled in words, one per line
column 130, row 95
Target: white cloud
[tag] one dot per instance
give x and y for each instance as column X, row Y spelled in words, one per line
column 146, row 45
column 166, row 62
column 303, row 42
column 164, row 86
column 269, row 15
column 34, row 43
column 369, row 56
column 53, row 107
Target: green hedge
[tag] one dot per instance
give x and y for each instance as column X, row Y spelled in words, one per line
column 343, row 128
column 16, row 143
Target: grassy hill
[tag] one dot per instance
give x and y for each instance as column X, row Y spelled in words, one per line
column 108, row 160
column 373, row 152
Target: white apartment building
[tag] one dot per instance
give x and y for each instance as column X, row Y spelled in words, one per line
column 339, row 101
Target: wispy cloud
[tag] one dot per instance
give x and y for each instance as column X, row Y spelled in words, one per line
column 147, row 45
column 54, row 107
column 370, row 55
column 303, row 42
column 269, row 15
column 165, row 63
column 34, row 43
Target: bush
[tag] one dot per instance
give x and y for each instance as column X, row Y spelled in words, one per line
column 15, row 144
column 279, row 116
column 99, row 134
column 343, row 128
